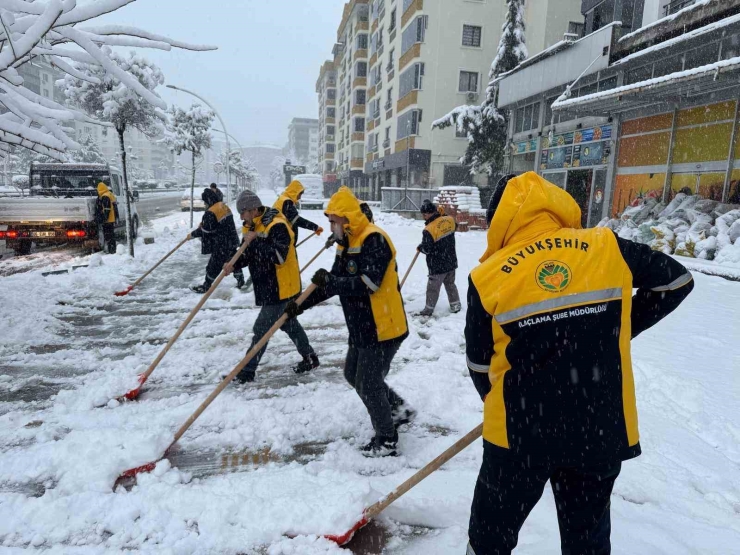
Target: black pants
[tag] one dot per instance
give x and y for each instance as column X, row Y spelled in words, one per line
column 216, row 264
column 269, row 314
column 109, row 237
column 507, row 491
column 365, row 370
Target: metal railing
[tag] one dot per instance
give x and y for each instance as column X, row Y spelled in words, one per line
column 400, row 199
column 675, row 6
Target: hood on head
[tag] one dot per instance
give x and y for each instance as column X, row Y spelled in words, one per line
column 344, row 205
column 531, row 206
column 102, row 188
column 294, row 190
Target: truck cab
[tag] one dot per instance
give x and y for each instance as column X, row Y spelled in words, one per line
column 61, row 207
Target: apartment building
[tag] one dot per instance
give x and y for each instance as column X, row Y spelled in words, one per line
column 399, row 65
column 303, row 140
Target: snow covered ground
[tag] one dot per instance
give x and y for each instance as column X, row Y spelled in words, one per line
column 270, row 466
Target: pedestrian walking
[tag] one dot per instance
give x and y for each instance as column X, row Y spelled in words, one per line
column 365, row 277
column 273, row 264
column 218, row 236
column 438, row 245
column 287, row 204
column 551, row 314
column 106, row 214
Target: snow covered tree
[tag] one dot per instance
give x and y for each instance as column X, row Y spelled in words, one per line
column 47, row 29
column 484, row 126
column 103, row 95
column 190, row 131
column 88, row 153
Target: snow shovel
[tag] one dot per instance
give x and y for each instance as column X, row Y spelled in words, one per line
column 410, row 268
column 306, row 239
column 138, row 281
column 374, row 510
column 248, row 284
column 327, row 246
column 134, row 393
column 216, row 392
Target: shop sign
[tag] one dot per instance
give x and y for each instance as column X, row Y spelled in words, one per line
column 556, row 158
column 526, row 146
column 378, row 164
column 592, row 154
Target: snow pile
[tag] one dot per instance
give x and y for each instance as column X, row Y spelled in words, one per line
column 687, row 226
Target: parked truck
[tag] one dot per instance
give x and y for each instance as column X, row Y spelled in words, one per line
column 60, row 207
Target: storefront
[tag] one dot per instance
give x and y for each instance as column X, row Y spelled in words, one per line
column 691, row 150
column 578, row 161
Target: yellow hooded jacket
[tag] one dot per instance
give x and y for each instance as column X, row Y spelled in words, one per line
column 386, row 317
column 549, row 321
column 109, row 212
column 291, row 193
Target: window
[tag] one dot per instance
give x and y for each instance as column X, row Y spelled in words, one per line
column 331, row 94
column 331, row 112
column 468, row 81
column 374, row 44
column 375, row 108
column 411, row 79
column 414, row 33
column 471, row 35
column 527, row 117
column 702, row 56
column 330, row 130
column 330, row 148
column 359, row 125
column 46, row 77
column 361, row 69
column 360, row 97
column 391, row 66
column 389, row 99
column 387, row 133
column 671, row 65
column 731, row 47
column 361, row 42
column 380, row 38
column 407, row 4
column 408, row 124
column 460, row 134
column 638, row 74
column 392, row 24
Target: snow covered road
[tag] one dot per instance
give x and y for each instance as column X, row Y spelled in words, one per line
column 270, row 466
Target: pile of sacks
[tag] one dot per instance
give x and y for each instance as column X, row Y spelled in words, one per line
column 687, row 226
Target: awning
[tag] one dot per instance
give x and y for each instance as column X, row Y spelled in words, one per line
column 673, row 87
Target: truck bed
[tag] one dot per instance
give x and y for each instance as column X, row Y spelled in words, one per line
column 35, row 209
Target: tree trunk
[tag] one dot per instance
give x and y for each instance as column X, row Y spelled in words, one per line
column 192, row 192
column 129, row 219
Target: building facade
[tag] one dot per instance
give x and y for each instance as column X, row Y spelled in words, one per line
column 303, row 140
column 655, row 112
column 399, row 65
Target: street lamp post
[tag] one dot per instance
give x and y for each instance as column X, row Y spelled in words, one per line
column 226, row 135
column 241, row 148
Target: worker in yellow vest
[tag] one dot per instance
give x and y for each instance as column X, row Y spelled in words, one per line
column 273, row 265
column 106, row 209
column 365, row 277
column 551, row 314
column 287, row 203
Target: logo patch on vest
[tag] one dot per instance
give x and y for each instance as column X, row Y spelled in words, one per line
column 352, row 267
column 553, row 276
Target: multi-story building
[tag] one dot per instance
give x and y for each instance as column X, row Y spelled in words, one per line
column 326, row 88
column 303, row 140
column 399, row 65
column 642, row 105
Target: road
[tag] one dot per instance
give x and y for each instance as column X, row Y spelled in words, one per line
column 155, row 205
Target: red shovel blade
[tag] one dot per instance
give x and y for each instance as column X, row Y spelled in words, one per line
column 134, row 393
column 130, row 474
column 125, row 292
column 345, row 538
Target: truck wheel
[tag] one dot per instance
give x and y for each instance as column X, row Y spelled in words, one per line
column 22, row 248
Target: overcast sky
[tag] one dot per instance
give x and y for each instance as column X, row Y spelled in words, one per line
column 265, row 69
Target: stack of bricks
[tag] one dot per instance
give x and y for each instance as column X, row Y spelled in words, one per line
column 463, row 204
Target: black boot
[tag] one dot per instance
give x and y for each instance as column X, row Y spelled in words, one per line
column 403, row 415
column 307, row 364
column 381, row 446
column 244, row 377
column 239, row 280
column 200, row 288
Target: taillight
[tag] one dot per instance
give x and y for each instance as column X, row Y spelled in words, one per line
column 76, row 233
column 11, row 234
column 2, row 234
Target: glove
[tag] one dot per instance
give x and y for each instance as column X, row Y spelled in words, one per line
column 321, row 278
column 292, row 310
column 319, row 231
column 420, row 249
column 189, row 237
column 269, row 215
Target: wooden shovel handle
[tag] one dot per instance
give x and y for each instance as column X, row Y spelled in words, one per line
column 192, row 314
column 306, row 239
column 243, row 362
column 374, row 510
column 325, row 247
column 166, row 256
column 410, row 267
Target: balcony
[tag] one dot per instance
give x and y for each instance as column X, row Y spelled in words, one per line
column 357, row 164
column 408, row 100
column 358, row 137
column 387, row 143
column 675, row 6
column 360, row 54
column 359, row 82
column 358, row 110
column 389, row 105
column 413, row 7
